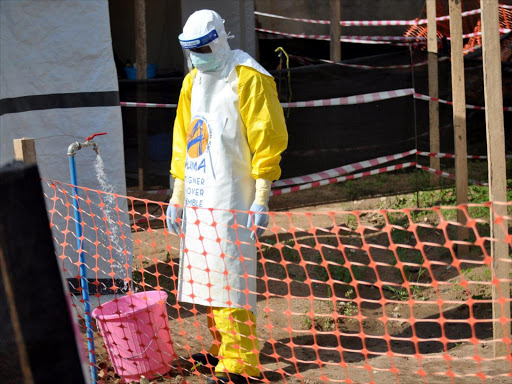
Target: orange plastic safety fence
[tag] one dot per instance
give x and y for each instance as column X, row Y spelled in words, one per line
column 471, row 26
column 366, row 296
column 505, row 19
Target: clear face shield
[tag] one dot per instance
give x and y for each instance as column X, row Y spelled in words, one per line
column 200, row 52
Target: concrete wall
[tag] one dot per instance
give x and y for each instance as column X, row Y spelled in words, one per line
column 350, row 10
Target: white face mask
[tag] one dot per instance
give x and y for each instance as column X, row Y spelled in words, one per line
column 205, row 62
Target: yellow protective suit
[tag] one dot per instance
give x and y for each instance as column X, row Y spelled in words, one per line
column 261, row 113
column 236, row 342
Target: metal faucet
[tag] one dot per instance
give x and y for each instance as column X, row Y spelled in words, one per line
column 76, row 146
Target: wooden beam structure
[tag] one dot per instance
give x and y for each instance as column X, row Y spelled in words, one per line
column 497, row 172
column 433, row 89
column 335, row 29
column 141, row 68
column 459, row 119
column 25, row 150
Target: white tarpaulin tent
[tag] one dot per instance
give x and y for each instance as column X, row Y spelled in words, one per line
column 58, row 85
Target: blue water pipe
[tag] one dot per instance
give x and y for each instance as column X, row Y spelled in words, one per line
column 84, row 283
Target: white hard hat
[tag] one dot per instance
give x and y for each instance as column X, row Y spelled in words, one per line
column 201, row 28
column 205, row 28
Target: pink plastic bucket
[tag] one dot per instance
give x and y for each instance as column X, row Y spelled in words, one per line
column 136, row 333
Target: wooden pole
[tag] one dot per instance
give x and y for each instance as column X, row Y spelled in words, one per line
column 335, row 30
column 459, row 119
column 433, row 89
column 497, row 170
column 141, row 67
column 25, row 150
column 140, row 39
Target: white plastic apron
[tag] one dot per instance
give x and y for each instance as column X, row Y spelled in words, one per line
column 218, row 259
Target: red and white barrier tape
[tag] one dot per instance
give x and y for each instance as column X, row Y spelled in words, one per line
column 369, row 23
column 474, row 34
column 349, row 100
column 282, row 191
column 396, row 40
column 505, row 6
column 356, row 99
column 401, row 66
column 344, row 39
column 330, row 173
column 452, row 156
column 472, row 49
column 324, row 176
column 387, row 38
column 147, row 105
column 446, row 174
column 468, row 106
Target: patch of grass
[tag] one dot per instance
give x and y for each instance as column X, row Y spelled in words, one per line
column 289, row 253
column 324, row 323
column 399, row 294
column 321, row 272
column 472, row 275
column 340, row 273
column 306, row 322
column 349, row 308
column 400, row 236
column 467, row 271
column 352, row 222
column 358, row 271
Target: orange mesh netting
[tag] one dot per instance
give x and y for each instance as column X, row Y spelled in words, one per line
column 471, row 25
column 367, row 296
column 505, row 16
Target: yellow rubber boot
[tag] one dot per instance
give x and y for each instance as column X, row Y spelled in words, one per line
column 239, row 348
column 217, row 337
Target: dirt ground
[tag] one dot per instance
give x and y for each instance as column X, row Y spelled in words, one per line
column 336, row 304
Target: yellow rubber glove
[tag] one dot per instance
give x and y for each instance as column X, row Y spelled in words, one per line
column 262, row 192
column 259, row 208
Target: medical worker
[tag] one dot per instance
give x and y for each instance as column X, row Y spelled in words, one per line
column 228, row 137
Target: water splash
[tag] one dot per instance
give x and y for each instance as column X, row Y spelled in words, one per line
column 109, row 202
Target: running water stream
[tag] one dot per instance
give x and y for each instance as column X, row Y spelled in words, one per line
column 109, row 203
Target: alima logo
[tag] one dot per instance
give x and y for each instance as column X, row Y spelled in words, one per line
column 198, row 137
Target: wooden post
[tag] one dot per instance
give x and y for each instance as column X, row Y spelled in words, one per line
column 140, row 39
column 335, row 13
column 25, row 150
column 433, row 89
column 497, row 170
column 141, row 67
column 459, row 118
